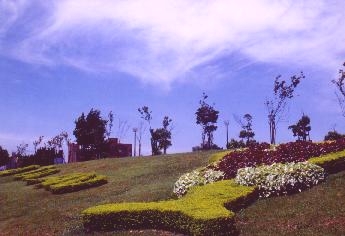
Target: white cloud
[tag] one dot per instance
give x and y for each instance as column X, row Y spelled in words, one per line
column 162, row 41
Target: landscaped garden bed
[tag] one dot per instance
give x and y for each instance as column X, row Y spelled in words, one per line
column 202, row 210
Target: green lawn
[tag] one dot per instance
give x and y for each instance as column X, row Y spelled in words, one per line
column 29, row 211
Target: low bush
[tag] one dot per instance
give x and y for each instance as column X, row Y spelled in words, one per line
column 259, row 154
column 18, row 170
column 37, row 173
column 332, row 163
column 72, row 182
column 196, row 177
column 280, row 179
column 202, row 211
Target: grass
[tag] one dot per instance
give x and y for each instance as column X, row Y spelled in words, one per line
column 317, row 211
column 29, row 211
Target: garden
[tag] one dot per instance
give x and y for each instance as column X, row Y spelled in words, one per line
column 207, row 197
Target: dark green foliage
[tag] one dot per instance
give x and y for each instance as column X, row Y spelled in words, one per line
column 4, row 157
column 161, row 137
column 333, row 135
column 302, row 128
column 90, row 133
column 247, row 132
column 202, row 211
column 207, row 117
column 234, row 144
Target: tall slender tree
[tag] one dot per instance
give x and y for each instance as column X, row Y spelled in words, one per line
column 340, row 85
column 277, row 105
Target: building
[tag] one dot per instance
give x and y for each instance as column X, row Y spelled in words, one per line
column 114, row 149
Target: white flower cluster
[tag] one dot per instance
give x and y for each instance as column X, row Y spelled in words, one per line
column 280, row 179
column 196, row 177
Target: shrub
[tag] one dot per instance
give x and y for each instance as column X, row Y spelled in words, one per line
column 332, row 163
column 194, row 178
column 37, row 173
column 201, row 212
column 72, row 182
column 278, row 179
column 18, row 170
column 259, row 154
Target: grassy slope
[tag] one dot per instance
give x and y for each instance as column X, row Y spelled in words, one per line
column 317, row 211
column 28, row 211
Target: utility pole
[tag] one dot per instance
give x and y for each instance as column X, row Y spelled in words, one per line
column 135, row 140
column 226, row 123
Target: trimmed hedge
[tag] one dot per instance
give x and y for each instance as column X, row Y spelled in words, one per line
column 71, row 182
column 18, row 170
column 331, row 163
column 31, row 176
column 203, row 211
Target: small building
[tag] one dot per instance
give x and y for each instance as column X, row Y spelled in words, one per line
column 114, row 149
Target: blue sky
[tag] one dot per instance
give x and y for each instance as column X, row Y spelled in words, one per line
column 61, row 58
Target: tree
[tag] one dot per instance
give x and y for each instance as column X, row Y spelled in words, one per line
column 90, row 132
column 37, row 142
column 302, row 128
column 340, row 84
column 110, row 123
column 333, row 135
column 207, row 117
column 21, row 149
column 276, row 106
column 4, row 156
column 247, row 131
column 161, row 137
column 146, row 115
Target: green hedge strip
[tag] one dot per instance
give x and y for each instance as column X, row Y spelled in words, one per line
column 331, row 163
column 18, row 170
column 201, row 212
column 37, row 173
column 72, row 182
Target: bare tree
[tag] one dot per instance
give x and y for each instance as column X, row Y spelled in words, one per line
column 122, row 129
column 340, row 84
column 276, row 106
column 37, row 142
column 141, row 130
column 22, row 148
column 226, row 123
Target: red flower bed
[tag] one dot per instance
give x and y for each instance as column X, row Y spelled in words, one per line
column 258, row 154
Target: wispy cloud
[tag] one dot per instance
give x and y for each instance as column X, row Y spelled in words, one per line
column 163, row 41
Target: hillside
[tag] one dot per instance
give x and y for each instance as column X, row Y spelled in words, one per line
column 29, row 211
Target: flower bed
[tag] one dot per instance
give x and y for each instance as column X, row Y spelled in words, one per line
column 259, row 154
column 194, row 178
column 280, row 179
column 72, row 182
column 201, row 211
column 18, row 170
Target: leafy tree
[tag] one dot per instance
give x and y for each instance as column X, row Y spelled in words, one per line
column 333, row 135
column 247, row 131
column 276, row 106
column 161, row 137
column 207, row 117
column 340, row 84
column 90, row 132
column 4, row 157
column 302, row 128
